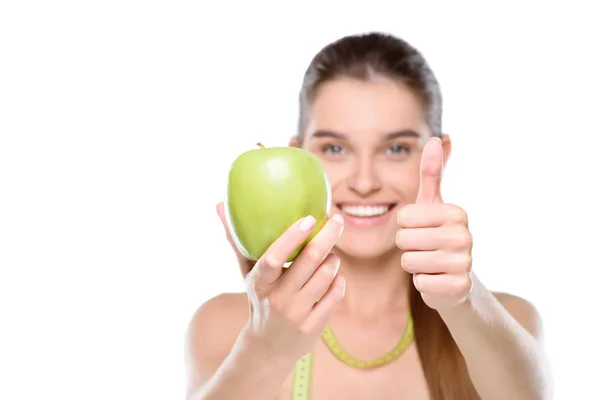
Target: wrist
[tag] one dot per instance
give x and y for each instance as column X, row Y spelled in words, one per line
column 261, row 354
column 464, row 308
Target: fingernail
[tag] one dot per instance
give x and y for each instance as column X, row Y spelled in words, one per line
column 307, row 223
column 338, row 218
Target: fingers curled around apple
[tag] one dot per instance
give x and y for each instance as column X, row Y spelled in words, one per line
column 312, row 256
column 269, row 266
column 318, row 284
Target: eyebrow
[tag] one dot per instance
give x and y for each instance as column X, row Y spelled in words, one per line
column 390, row 136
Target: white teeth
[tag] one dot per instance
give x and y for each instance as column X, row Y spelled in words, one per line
column 365, row 211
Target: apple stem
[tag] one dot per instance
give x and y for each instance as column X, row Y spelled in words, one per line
column 259, row 144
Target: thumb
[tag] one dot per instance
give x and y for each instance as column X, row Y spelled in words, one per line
column 221, row 212
column 245, row 264
column 432, row 162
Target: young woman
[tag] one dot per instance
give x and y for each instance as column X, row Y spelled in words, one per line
column 382, row 303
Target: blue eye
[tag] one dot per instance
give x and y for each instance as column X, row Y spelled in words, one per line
column 332, row 149
column 397, row 149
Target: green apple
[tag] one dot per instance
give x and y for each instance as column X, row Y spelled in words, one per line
column 268, row 190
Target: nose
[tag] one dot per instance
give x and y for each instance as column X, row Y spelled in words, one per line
column 364, row 179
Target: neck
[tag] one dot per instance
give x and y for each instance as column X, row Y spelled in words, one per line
column 374, row 286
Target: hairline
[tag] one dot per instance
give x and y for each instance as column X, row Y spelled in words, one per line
column 370, row 75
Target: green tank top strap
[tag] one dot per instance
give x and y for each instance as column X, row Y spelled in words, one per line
column 301, row 384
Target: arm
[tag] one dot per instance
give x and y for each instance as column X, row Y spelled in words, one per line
column 222, row 359
column 248, row 349
column 500, row 343
column 500, row 339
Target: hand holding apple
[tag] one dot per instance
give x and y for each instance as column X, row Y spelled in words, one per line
column 289, row 308
column 278, row 201
column 435, row 238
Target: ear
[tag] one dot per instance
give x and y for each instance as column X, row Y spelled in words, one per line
column 446, row 146
column 293, row 141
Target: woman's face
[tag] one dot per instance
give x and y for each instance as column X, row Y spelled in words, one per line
column 369, row 137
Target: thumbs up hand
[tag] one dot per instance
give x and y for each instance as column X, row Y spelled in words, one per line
column 435, row 238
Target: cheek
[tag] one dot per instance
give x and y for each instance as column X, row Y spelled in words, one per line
column 409, row 183
column 404, row 178
column 337, row 172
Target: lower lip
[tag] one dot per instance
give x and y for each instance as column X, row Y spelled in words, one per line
column 367, row 222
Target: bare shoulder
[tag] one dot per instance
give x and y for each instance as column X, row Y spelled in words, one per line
column 523, row 311
column 218, row 320
column 211, row 333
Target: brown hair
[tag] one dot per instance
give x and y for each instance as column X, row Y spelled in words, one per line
column 363, row 57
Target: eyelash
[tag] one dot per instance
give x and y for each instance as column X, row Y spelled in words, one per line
column 326, row 149
column 405, row 148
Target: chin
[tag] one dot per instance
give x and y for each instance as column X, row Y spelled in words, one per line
column 364, row 246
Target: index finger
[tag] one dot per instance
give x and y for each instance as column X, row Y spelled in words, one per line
column 269, row 267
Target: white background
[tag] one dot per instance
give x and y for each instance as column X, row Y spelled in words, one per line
column 119, row 120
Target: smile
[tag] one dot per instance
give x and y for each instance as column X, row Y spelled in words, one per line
column 365, row 214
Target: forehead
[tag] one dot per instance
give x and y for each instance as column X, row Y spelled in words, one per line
column 370, row 108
